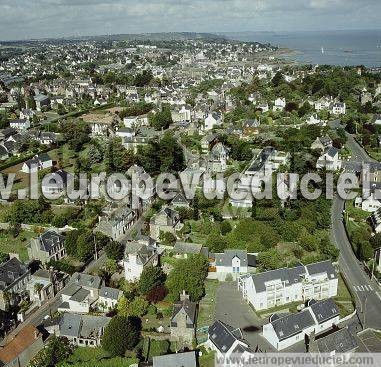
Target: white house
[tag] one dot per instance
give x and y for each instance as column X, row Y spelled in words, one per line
column 211, row 120
column 218, row 158
column 226, row 341
column 108, row 298
column 81, row 293
column 279, row 104
column 338, row 108
column 323, row 103
column 38, row 162
column 264, row 106
column 282, row 286
column 369, row 204
column 375, row 221
column 138, row 256
column 83, row 330
column 56, row 184
column 330, row 160
column 284, row 331
column 125, row 132
column 20, row 124
column 233, row 262
column 313, row 120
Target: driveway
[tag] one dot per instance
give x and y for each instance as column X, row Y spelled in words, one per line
column 233, row 310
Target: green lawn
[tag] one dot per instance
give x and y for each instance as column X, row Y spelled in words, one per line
column 356, row 214
column 95, row 357
column 207, row 359
column 344, row 299
column 289, row 307
column 8, row 244
column 207, row 305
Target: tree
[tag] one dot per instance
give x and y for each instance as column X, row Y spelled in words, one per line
column 57, row 350
column 277, row 79
column 162, row 120
column 328, row 249
column 138, row 307
column 167, row 238
column 115, row 250
column 71, row 242
column 189, row 275
column 121, row 334
column 215, row 242
column 270, row 259
column 225, row 227
column 76, row 134
column 151, row 278
column 123, row 306
column 157, row 294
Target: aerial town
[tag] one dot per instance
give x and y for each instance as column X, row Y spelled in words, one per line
column 183, row 280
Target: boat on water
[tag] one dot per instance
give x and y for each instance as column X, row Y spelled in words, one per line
column 348, row 51
column 322, row 50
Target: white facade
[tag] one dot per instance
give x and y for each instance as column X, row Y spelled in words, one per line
column 132, row 270
column 279, row 104
column 338, row 108
column 279, row 344
column 211, row 121
column 283, row 286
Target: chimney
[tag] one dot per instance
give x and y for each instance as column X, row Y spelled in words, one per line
column 184, row 296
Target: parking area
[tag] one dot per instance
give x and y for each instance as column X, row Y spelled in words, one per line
column 369, row 342
column 233, row 310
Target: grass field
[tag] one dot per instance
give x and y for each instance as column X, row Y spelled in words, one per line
column 207, row 305
column 95, row 357
column 8, row 244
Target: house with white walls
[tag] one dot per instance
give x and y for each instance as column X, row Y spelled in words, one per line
column 284, row 331
column 279, row 104
column 139, row 255
column 211, row 120
column 230, row 262
column 81, row 293
column 108, row 298
column 338, row 108
column 282, row 286
column 226, row 340
column 330, row 160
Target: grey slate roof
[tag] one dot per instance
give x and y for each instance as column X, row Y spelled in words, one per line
column 108, row 292
column 340, row 341
column 332, row 151
column 83, row 326
column 190, row 310
column 322, row 267
column 86, row 280
column 80, row 295
column 187, row 359
column 226, row 258
column 292, row 324
column 223, row 336
column 10, row 271
column 293, row 275
column 288, row 275
column 187, row 248
column 325, row 310
column 50, row 239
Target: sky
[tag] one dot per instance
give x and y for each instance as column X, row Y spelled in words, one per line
column 26, row 19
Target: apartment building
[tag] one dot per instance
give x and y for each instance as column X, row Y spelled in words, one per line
column 282, row 286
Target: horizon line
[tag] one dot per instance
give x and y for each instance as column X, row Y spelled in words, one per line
column 217, row 33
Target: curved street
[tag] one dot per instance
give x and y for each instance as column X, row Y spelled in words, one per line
column 366, row 290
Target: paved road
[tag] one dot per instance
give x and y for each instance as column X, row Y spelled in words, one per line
column 367, row 291
column 233, row 310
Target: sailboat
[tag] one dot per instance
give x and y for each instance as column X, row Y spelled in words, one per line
column 322, row 50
